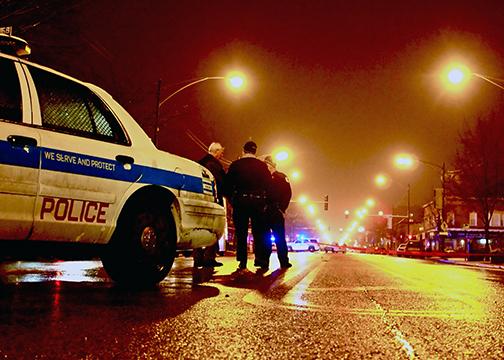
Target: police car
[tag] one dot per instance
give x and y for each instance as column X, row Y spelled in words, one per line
column 76, row 169
column 310, row 245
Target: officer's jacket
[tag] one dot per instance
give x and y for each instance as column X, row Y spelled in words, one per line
column 214, row 165
column 281, row 192
column 247, row 176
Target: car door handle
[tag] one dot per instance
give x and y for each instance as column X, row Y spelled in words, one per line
column 124, row 159
column 21, row 141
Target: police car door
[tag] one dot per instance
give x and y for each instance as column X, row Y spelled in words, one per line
column 85, row 161
column 19, row 153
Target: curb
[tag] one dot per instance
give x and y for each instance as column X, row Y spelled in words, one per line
column 486, row 266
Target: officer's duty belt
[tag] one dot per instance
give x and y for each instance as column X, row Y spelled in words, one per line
column 252, row 196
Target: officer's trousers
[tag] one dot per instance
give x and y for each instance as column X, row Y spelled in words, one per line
column 243, row 212
column 276, row 222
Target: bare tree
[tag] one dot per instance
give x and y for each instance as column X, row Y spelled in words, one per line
column 480, row 167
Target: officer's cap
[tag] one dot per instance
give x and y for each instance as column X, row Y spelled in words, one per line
column 250, row 147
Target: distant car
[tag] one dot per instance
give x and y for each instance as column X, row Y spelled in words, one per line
column 335, row 248
column 379, row 250
column 409, row 248
column 401, row 249
column 304, row 245
column 497, row 254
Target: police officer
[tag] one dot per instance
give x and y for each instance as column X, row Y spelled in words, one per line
column 278, row 201
column 247, row 183
column 211, row 161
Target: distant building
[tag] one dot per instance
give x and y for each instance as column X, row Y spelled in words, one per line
column 463, row 226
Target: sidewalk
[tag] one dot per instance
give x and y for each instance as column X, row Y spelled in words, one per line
column 464, row 262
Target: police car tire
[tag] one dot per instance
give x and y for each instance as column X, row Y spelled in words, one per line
column 128, row 260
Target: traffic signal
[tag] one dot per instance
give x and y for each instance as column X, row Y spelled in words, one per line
column 326, row 202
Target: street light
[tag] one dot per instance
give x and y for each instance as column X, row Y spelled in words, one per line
column 401, row 159
column 311, row 209
column 234, row 80
column 282, row 155
column 303, row 199
column 382, row 181
column 295, row 175
column 456, row 75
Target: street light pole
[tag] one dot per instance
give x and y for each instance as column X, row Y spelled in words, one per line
column 381, row 181
column 443, row 183
column 160, row 102
column 409, row 211
column 443, row 196
column 188, row 85
column 235, row 81
column 458, row 75
column 406, row 160
column 490, row 80
column 441, row 224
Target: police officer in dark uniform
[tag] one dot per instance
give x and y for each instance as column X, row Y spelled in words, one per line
column 247, row 183
column 206, row 257
column 278, row 201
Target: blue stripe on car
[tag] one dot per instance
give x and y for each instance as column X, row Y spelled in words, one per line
column 75, row 163
column 19, row 156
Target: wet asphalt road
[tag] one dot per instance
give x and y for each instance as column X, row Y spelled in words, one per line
column 328, row 306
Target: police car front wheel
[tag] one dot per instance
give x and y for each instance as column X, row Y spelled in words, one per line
column 143, row 247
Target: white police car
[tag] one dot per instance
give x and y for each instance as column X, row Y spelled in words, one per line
column 310, row 245
column 76, row 169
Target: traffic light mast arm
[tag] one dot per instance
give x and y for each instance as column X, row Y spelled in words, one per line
column 390, row 216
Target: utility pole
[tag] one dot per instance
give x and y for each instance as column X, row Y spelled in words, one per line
column 409, row 210
column 443, row 215
column 443, row 181
column 156, row 123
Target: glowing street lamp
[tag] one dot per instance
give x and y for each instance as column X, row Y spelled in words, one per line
column 408, row 161
column 303, row 199
column 295, row 175
column 404, row 161
column 235, row 81
column 281, row 155
column 381, row 180
column 311, row 209
column 361, row 213
column 456, row 75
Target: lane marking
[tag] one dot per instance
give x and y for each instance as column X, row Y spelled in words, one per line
column 393, row 328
